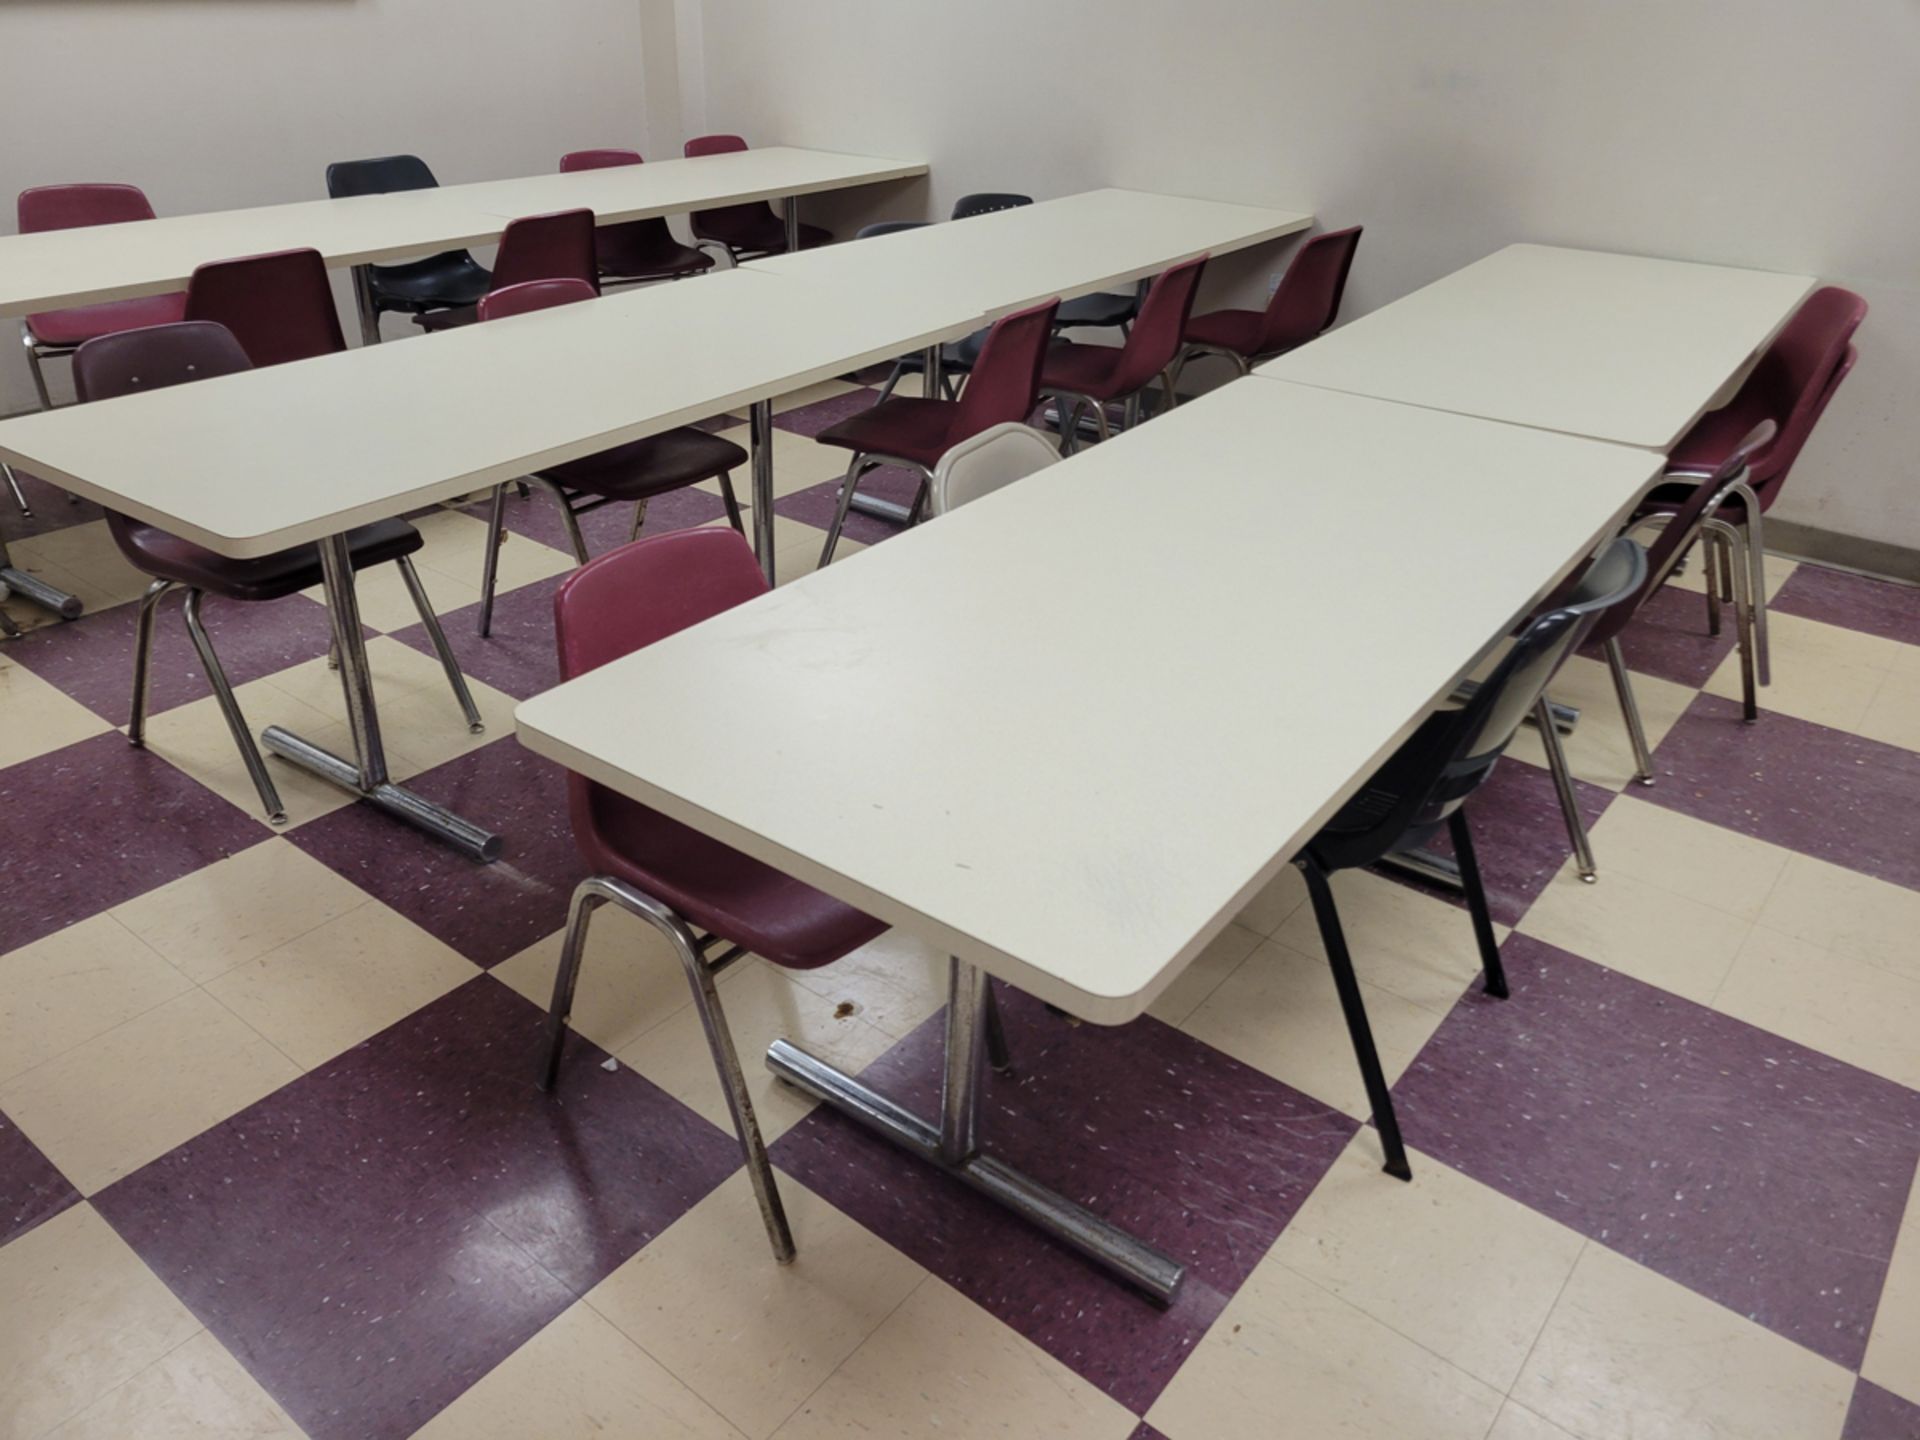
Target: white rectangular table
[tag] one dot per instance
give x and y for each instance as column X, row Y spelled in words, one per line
column 1088, row 737
column 1613, row 347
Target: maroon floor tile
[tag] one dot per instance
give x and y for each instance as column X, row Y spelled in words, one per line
column 810, row 420
column 91, row 658
column 52, row 510
column 1519, row 836
column 97, row 823
column 486, row 912
column 1761, row 1174
column 519, row 657
column 1192, row 1151
column 373, row 1238
column 31, row 1189
column 1878, row 1414
column 815, row 505
column 538, row 518
column 1823, row 792
column 1144, row 1431
column 1669, row 638
column 1879, row 607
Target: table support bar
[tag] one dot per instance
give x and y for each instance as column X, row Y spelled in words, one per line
column 403, row 804
column 32, row 587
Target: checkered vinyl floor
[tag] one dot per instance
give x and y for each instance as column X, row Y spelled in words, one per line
column 272, row 1162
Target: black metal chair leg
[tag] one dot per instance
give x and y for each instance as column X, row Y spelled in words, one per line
column 1470, row 881
column 998, row 1055
column 1355, row 1010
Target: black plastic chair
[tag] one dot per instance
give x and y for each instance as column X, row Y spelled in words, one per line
column 445, row 281
column 988, row 202
column 1426, row 785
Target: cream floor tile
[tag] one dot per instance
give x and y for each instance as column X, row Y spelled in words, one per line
column 894, row 981
column 197, row 1392
column 1642, row 930
column 578, row 1377
column 1850, row 914
column 799, row 463
column 1779, row 570
column 1840, row 1007
column 82, row 1314
column 194, row 738
column 1599, row 751
column 1275, row 904
column 457, row 545
column 84, row 560
column 1822, row 673
column 788, row 534
column 803, row 557
column 108, row 1106
column 1445, row 1261
column 331, row 988
column 812, row 395
column 940, row 1365
column 1630, row 1355
column 1279, row 1013
column 1893, row 1347
column 238, row 909
column 67, row 987
column 629, row 981
column 1893, row 717
column 750, row 1337
column 38, row 717
column 1516, row 1422
column 1222, row 956
column 386, row 604
column 1688, row 857
column 762, row 1005
column 1402, row 941
column 1286, row 1347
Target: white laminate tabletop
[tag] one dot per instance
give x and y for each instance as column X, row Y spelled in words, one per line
column 1067, row 247
column 52, row 269
column 1069, row 730
column 252, row 463
column 1615, row 347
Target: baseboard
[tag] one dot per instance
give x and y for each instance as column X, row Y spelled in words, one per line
column 1848, row 552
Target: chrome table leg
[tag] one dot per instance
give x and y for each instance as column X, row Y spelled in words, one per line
column 792, row 209
column 32, row 587
column 953, row 1147
column 363, row 305
column 366, row 774
column 760, row 438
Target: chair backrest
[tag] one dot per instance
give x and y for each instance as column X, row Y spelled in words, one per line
column 1162, row 322
column 1307, row 299
column 713, row 145
column 280, row 307
column 1794, row 381
column 630, row 597
column 888, row 227
column 990, row 461
column 71, row 207
column 558, row 246
column 379, row 176
column 1005, row 383
column 987, row 202
column 531, row 295
column 729, row 224
column 154, row 358
column 596, row 160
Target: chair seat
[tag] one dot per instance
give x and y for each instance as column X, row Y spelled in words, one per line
column 1102, row 308
column 452, row 318
column 1081, row 370
column 645, row 250
column 285, row 572
column 719, row 889
column 756, row 230
column 451, row 278
column 73, row 328
column 653, row 466
column 905, row 428
column 1235, row 330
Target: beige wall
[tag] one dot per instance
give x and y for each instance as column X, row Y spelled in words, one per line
column 1770, row 133
column 212, row 104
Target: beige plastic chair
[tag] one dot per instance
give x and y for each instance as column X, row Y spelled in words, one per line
column 987, row 462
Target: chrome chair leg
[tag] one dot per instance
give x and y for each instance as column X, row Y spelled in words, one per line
column 1630, row 711
column 848, row 485
column 1727, row 537
column 728, row 499
column 1563, row 786
column 34, row 365
column 1469, row 862
column 19, row 496
column 588, row 896
column 230, row 708
column 998, row 1054
column 639, row 519
column 1353, row 1006
column 1756, row 556
column 490, row 563
column 448, row 661
column 893, row 379
column 143, row 661
column 568, row 519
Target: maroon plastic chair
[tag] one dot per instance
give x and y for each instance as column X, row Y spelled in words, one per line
column 635, row 250
column 746, row 231
column 278, row 306
column 164, row 355
column 1095, row 376
column 557, row 246
column 1305, row 304
column 914, row 433
column 1791, row 385
column 712, row 904
column 636, row 471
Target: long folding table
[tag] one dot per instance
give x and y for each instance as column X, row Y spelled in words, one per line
column 1088, row 736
